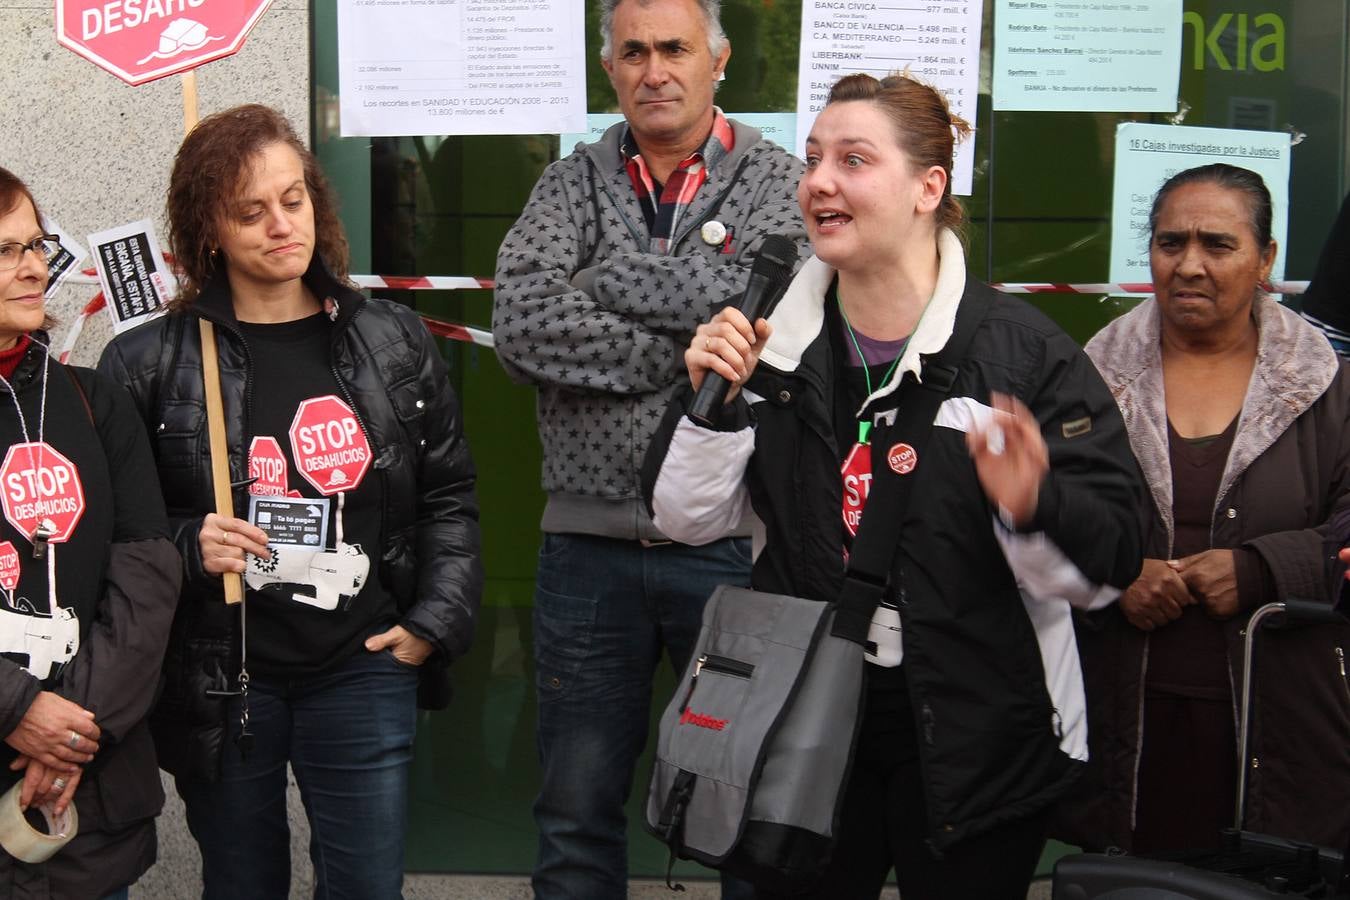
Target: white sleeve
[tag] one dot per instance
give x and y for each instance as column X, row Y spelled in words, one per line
column 1043, row 572
column 700, row 493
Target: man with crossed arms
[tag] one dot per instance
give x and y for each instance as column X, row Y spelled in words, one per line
column 623, row 249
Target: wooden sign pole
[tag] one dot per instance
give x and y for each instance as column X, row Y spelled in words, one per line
column 189, row 100
column 215, row 407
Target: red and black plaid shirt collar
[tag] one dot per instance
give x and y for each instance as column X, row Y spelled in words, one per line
column 664, row 205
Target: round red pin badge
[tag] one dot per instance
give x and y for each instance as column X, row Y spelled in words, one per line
column 902, row 459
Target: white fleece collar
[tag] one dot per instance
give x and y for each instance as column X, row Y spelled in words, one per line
column 801, row 314
column 1294, row 366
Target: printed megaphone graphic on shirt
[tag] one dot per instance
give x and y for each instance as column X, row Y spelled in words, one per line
column 40, row 642
column 319, row 578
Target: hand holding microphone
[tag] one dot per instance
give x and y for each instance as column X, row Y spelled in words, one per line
column 725, row 351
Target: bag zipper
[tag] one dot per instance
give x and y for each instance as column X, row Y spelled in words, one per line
column 722, row 665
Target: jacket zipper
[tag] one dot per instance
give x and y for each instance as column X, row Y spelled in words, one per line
column 927, row 724
column 928, row 721
column 361, row 423
column 604, row 188
column 722, row 665
column 342, row 385
column 1340, row 663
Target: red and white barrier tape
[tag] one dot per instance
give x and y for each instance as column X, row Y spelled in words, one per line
column 448, row 330
column 451, row 331
column 73, row 335
column 1125, row 288
column 387, row 282
column 469, row 283
column 481, row 338
column 422, row 282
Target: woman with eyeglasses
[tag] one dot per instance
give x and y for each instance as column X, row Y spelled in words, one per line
column 88, row 584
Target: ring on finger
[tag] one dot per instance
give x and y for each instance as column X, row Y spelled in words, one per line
column 74, row 740
column 707, row 344
column 58, row 784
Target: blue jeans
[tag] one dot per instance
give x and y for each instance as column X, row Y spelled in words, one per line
column 604, row 611
column 348, row 735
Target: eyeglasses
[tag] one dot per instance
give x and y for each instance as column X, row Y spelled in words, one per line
column 45, row 246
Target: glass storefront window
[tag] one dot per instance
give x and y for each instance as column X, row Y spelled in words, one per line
column 1039, row 211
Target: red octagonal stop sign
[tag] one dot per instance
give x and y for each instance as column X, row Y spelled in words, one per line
column 328, row 445
column 267, row 467
column 38, row 484
column 141, row 40
column 9, row 566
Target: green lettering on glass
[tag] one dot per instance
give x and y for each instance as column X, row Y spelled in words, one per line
column 1274, row 40
column 1267, row 52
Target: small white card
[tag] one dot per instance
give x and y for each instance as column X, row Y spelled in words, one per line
column 291, row 521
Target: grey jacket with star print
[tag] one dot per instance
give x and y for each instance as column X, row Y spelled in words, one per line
column 598, row 323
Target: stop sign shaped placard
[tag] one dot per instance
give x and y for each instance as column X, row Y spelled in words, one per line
column 267, row 467
column 328, row 445
column 9, row 566
column 38, row 484
column 141, row 40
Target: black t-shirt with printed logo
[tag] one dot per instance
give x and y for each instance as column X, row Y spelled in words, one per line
column 311, row 607
column 87, row 471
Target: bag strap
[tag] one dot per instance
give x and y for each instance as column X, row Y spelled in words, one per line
column 84, row 398
column 166, row 364
column 874, row 548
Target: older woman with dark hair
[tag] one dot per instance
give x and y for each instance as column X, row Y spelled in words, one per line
column 354, row 522
column 88, row 581
column 1237, row 411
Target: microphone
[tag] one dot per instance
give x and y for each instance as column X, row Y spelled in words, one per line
column 769, row 279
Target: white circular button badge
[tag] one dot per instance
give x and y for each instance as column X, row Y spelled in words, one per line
column 713, row 232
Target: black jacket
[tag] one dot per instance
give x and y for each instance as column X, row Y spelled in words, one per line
column 117, row 580
column 395, row 380
column 1285, row 495
column 989, row 651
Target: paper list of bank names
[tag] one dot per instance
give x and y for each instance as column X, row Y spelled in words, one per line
column 409, row 67
column 1087, row 55
column 936, row 42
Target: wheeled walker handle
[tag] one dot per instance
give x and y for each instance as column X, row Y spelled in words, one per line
column 1302, row 612
column 1285, row 614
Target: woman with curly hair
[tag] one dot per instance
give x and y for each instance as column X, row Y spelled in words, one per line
column 354, row 524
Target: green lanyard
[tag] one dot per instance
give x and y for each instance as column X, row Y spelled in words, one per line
column 865, row 428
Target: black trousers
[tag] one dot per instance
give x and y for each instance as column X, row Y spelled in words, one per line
column 884, row 825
